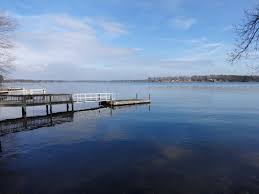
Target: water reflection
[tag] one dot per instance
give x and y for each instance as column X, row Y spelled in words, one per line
column 30, row 123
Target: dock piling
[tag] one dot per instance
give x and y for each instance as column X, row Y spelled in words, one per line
column 23, row 111
column 47, row 109
column 72, row 103
column 50, row 105
column 24, row 106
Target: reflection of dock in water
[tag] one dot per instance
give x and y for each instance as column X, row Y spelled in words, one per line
column 30, row 123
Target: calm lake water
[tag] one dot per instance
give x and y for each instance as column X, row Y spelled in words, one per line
column 194, row 138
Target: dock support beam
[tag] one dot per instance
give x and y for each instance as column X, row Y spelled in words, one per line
column 50, row 105
column 72, row 103
column 47, row 109
column 24, row 106
column 67, row 107
column 24, row 111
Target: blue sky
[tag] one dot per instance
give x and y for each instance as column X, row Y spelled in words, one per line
column 130, row 39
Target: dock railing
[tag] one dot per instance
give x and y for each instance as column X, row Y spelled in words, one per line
column 92, row 97
column 33, row 100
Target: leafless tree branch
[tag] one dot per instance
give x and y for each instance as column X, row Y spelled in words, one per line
column 247, row 36
column 7, row 26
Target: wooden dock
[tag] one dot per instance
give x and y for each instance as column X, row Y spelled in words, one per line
column 48, row 100
column 125, row 102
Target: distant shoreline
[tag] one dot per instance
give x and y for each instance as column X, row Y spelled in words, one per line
column 67, row 81
column 168, row 79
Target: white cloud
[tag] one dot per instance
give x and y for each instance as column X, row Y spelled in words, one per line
column 183, row 23
column 45, row 42
column 113, row 28
column 201, row 57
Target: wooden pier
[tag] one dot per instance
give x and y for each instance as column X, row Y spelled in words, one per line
column 47, row 100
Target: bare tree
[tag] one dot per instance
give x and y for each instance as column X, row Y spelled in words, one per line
column 7, row 26
column 247, row 36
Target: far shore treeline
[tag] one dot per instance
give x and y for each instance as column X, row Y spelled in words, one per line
column 195, row 78
column 206, row 78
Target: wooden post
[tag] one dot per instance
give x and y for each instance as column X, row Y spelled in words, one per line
column 136, row 95
column 47, row 109
column 24, row 107
column 50, row 105
column 72, row 103
column 67, row 107
column 149, row 97
column 23, row 111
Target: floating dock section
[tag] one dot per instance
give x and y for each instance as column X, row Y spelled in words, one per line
column 125, row 102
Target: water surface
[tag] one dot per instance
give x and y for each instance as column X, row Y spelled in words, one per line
column 194, row 138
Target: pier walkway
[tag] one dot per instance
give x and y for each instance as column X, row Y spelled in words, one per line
column 38, row 97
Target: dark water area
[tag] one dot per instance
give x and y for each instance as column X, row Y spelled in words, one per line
column 194, row 138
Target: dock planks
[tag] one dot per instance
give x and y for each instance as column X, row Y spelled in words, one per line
column 125, row 102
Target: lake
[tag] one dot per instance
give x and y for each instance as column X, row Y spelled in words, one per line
column 200, row 138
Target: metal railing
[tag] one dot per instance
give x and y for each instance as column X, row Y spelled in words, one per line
column 92, row 97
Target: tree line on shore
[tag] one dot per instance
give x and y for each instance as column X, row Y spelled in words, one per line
column 206, row 78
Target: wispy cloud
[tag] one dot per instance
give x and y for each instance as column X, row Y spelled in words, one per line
column 113, row 28
column 47, row 41
column 200, row 57
column 183, row 23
